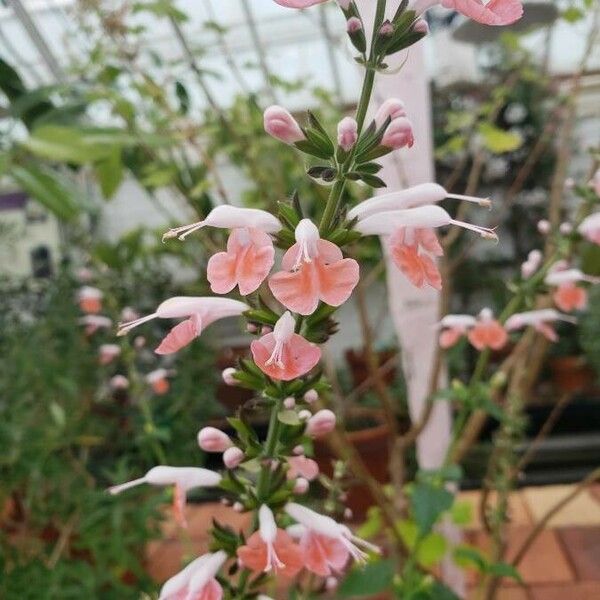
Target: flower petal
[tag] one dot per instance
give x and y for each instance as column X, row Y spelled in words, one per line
column 181, row 335
column 337, row 281
column 297, row 290
column 496, row 12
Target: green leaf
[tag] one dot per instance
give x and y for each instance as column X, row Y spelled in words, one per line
column 572, row 14
column 109, row 173
column 428, row 503
column 497, row 140
column 502, row 569
column 48, row 188
column 431, row 549
column 182, row 97
column 461, row 513
column 374, row 578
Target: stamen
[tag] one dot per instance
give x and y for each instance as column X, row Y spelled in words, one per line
column 486, row 202
column 117, row 489
column 125, row 327
column 183, row 231
column 277, row 355
column 485, row 232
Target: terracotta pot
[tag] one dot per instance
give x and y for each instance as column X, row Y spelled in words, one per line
column 571, row 374
column 373, row 445
column 231, row 396
column 357, row 363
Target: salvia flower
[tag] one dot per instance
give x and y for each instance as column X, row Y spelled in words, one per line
column 398, row 134
column 392, row 109
column 540, row 320
column 347, row 133
column 90, row 299
column 299, row 3
column 496, row 12
column 183, row 478
column 271, row 549
column 283, row 354
column 326, row 527
column 108, row 353
column 301, row 466
column 197, row 581
column 313, row 269
column 200, row 311
column 158, row 380
column 353, row 24
column 589, row 228
column 280, row 124
column 568, row 296
column 211, row 439
column 321, row 423
column 250, row 254
column 233, row 457
column 487, row 332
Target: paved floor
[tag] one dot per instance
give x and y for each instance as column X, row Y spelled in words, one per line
column 563, row 564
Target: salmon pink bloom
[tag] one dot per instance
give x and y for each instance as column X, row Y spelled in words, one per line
column 211, row 439
column 496, row 12
column 453, row 327
column 392, row 109
column 325, row 527
column 283, row 354
column 183, row 478
column 108, row 352
column 410, row 236
column 540, row 320
column 321, row 423
column 487, row 332
column 94, row 322
column 398, row 134
column 568, row 296
column 300, row 466
column 280, row 124
column 158, row 380
column 271, row 548
column 589, row 228
column 313, row 270
column 323, row 555
column 197, row 580
column 201, row 312
column 250, row 254
column 90, row 300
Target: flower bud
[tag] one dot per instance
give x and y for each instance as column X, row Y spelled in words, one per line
column 238, row 507
column 228, row 376
column 347, row 133
column 139, row 342
column 232, row 457
column 331, row 584
column 566, row 228
column 398, row 134
column 298, row 450
column 392, row 108
column 344, row 4
column 353, row 25
column 311, row 396
column 280, row 124
column 211, row 439
column 304, row 415
column 321, row 423
column 289, row 402
column 301, row 486
column 386, row 29
column 90, row 300
column 543, row 226
column 108, row 352
column 421, row 26
column 266, row 329
column 348, row 514
column 129, row 314
column 119, row 382
column 251, row 328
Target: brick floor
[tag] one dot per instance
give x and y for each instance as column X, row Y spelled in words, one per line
column 574, row 591
column 582, row 546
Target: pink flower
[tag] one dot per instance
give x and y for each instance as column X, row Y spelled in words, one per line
column 398, row 134
column 314, row 269
column 197, row 580
column 540, row 320
column 108, row 352
column 532, row 264
column 250, row 254
column 283, row 354
column 233, row 457
column 299, row 3
column 453, row 327
column 90, row 299
column 589, row 228
column 94, row 322
column 271, row 549
column 544, row 226
column 421, row 26
column 228, row 376
column 410, row 236
column 157, row 379
column 347, row 133
column 280, row 124
column 201, row 312
column 353, row 24
column 326, row 529
column 487, row 332
column 496, row 12
column 211, row 439
column 183, row 478
column 568, row 296
column 392, row 108
column 323, row 554
column 118, row 382
column 300, row 466
column 321, row 423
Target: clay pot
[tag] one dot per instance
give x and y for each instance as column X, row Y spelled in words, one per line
column 359, row 368
column 571, row 374
column 373, row 445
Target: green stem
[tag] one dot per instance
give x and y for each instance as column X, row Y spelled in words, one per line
column 262, row 485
